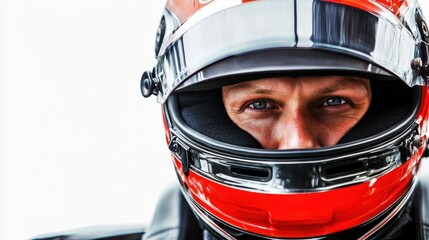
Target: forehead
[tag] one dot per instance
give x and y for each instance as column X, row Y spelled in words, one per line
column 315, row 82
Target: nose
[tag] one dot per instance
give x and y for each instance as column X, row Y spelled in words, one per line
column 297, row 131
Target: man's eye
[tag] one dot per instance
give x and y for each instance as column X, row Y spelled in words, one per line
column 335, row 101
column 259, row 105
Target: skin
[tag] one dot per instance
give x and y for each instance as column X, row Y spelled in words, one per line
column 300, row 112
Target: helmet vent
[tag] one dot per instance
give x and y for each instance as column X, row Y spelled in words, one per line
column 344, row 169
column 253, row 173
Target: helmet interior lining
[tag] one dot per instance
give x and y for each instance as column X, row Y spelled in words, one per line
column 204, row 112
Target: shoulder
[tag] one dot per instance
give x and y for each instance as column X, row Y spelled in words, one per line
column 173, row 219
column 166, row 220
column 129, row 232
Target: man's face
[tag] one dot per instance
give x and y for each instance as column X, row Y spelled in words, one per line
column 301, row 112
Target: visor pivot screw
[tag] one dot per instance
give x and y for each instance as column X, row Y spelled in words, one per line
column 148, row 84
column 416, row 63
column 174, row 147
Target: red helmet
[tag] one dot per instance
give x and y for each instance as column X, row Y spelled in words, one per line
column 240, row 190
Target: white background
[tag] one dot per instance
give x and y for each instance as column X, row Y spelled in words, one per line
column 79, row 146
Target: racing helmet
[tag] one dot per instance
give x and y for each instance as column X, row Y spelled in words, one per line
column 239, row 190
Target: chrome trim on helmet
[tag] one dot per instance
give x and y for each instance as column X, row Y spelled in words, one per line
column 248, row 29
column 296, row 175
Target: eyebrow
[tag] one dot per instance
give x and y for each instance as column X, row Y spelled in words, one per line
column 250, row 86
column 263, row 91
column 346, row 83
